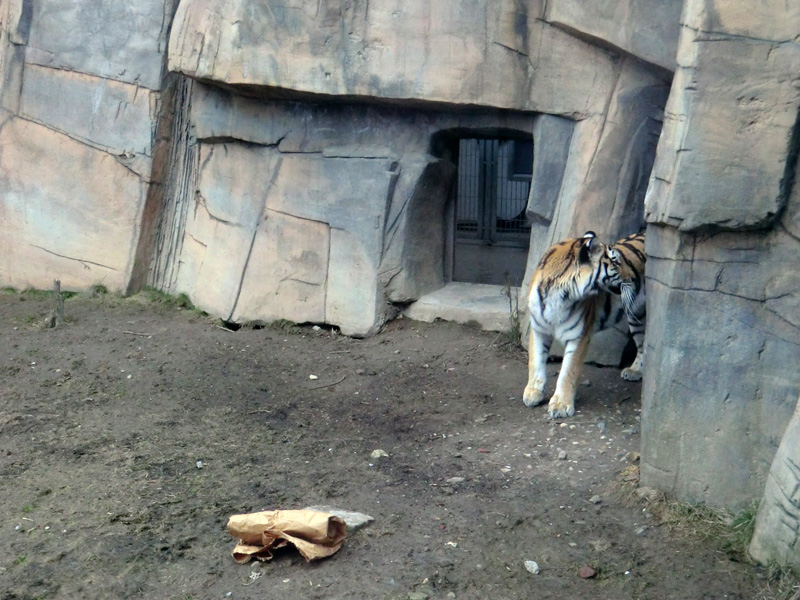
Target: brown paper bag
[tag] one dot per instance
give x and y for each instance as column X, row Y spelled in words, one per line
column 314, row 534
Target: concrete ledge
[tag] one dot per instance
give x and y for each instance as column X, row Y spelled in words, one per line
column 464, row 303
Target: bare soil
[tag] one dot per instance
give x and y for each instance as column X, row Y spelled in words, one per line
column 131, row 433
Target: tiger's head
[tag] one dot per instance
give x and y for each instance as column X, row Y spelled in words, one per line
column 572, row 267
column 610, row 277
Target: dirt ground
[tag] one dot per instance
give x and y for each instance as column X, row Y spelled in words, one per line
column 130, row 434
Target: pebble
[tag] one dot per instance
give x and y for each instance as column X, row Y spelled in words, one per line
column 562, row 455
column 641, row 530
column 378, row 453
column 586, row 572
column 352, row 520
column 455, row 480
column 595, row 499
column 531, row 566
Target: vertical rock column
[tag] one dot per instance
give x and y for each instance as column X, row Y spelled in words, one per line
column 723, row 337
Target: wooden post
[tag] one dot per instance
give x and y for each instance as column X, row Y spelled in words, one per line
column 56, row 316
column 59, row 302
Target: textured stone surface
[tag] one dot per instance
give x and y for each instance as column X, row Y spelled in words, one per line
column 645, row 28
column 68, row 211
column 722, row 361
column 551, row 140
column 490, row 53
column 776, row 538
column 116, row 40
column 722, row 354
column 723, row 154
column 107, row 114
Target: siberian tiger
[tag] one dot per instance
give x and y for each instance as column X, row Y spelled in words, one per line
column 624, row 270
column 563, row 300
column 573, row 293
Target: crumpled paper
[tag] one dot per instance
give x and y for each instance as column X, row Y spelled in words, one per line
column 315, row 534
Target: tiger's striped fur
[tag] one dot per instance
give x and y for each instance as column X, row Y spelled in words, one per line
column 623, row 268
column 563, row 302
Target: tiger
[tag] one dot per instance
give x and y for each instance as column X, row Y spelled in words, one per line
column 623, row 273
column 563, row 300
column 573, row 292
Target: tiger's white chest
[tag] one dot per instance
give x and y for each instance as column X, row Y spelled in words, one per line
column 556, row 313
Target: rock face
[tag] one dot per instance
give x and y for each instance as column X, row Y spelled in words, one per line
column 723, row 266
column 500, row 54
column 79, row 105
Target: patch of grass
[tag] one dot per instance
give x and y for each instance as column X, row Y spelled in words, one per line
column 285, row 325
column 34, row 294
column 20, row 559
column 27, row 509
column 782, row 584
column 514, row 333
column 9, row 291
column 98, row 289
column 730, row 533
column 155, row 296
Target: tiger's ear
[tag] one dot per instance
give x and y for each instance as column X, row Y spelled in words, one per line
column 589, row 246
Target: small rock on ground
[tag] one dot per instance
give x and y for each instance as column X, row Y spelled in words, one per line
column 586, row 572
column 531, row 566
column 353, row 520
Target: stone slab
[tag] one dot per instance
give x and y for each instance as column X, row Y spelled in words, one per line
column 286, row 272
column 721, row 381
column 728, row 124
column 123, row 41
column 67, row 211
column 494, row 54
column 112, row 115
column 647, row 29
column 222, row 224
column 466, row 303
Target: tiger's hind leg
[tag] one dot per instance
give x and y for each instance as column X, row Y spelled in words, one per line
column 562, row 404
column 538, row 350
column 634, row 372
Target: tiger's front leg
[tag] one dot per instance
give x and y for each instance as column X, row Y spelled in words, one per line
column 562, row 404
column 538, row 350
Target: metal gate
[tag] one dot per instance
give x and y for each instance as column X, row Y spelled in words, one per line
column 491, row 230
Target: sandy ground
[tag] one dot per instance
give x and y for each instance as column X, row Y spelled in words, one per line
column 130, row 434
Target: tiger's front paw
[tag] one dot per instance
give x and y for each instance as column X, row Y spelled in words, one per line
column 532, row 397
column 631, row 374
column 559, row 409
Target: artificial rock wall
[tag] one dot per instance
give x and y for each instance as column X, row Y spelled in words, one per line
column 289, row 159
column 724, row 256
